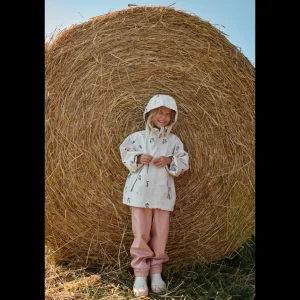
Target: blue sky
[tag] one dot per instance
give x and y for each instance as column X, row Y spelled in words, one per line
column 236, row 18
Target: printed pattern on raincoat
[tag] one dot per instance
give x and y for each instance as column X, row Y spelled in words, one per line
column 148, row 185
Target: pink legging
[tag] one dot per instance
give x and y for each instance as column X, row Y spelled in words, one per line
column 150, row 228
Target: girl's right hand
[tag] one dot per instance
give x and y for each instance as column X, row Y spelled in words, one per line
column 144, row 159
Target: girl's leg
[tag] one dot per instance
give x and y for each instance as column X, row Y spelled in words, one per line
column 159, row 238
column 140, row 251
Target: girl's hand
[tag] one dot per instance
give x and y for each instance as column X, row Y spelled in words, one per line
column 144, row 159
column 162, row 161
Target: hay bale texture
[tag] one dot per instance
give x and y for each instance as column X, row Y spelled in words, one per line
column 100, row 74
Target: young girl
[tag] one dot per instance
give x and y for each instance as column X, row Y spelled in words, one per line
column 153, row 156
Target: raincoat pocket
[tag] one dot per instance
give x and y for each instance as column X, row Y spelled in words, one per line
column 168, row 190
column 136, row 178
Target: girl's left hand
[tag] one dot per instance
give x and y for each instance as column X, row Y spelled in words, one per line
column 162, row 161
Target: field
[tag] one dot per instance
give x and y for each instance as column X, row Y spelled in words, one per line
column 228, row 279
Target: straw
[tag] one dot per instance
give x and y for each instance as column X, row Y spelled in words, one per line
column 100, row 74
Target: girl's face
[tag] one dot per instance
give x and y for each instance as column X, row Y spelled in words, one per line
column 162, row 117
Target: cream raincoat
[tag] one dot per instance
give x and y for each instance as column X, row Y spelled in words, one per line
column 147, row 185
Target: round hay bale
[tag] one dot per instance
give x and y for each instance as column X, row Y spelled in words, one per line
column 100, row 74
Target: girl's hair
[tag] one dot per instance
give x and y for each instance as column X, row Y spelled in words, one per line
column 152, row 113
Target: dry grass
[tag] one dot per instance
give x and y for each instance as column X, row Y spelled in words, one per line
column 226, row 279
column 99, row 76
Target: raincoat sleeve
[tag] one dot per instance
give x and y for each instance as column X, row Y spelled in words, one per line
column 180, row 159
column 129, row 152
